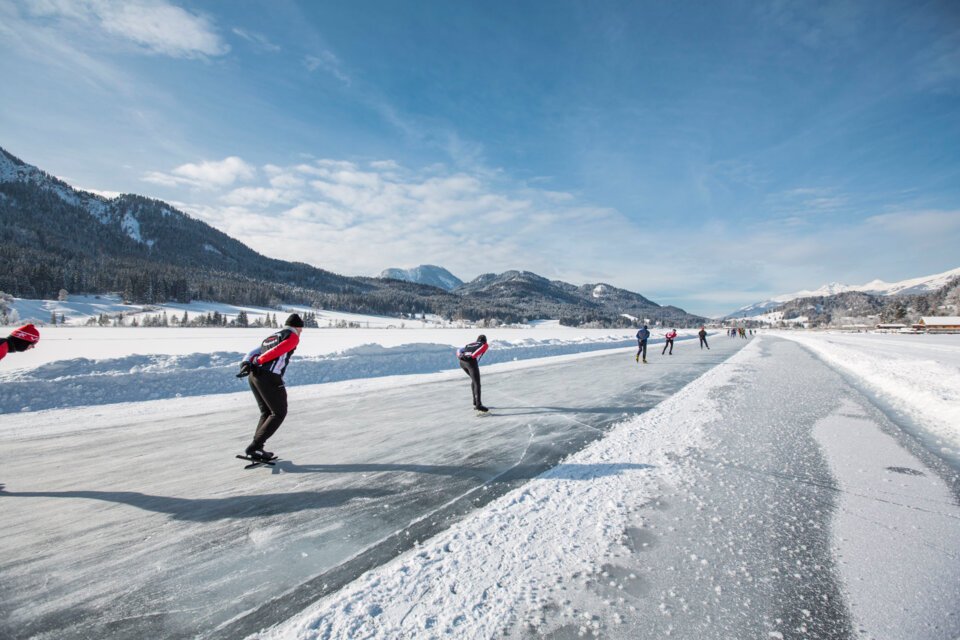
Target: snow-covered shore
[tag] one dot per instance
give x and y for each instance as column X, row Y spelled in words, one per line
column 919, row 375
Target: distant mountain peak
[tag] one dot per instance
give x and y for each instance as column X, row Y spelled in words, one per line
column 428, row 274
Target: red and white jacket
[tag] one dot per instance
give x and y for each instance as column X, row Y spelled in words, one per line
column 474, row 350
column 274, row 353
column 671, row 335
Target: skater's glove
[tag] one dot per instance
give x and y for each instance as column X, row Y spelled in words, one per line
column 244, row 370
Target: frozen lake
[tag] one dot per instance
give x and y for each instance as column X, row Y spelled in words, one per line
column 140, row 522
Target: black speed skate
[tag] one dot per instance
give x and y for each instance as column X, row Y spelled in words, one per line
column 257, row 457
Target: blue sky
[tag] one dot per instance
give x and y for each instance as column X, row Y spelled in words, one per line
column 706, row 155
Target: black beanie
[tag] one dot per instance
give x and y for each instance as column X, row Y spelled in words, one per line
column 294, row 320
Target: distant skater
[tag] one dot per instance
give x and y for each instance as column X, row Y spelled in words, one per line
column 22, row 339
column 703, row 338
column 469, row 357
column 266, row 365
column 668, row 341
column 642, row 337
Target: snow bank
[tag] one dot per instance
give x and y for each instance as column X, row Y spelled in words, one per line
column 558, row 529
column 919, row 375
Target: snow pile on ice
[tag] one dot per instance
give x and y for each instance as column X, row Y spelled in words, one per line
column 558, row 529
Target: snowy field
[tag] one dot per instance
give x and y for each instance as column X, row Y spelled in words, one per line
column 917, row 375
column 796, row 484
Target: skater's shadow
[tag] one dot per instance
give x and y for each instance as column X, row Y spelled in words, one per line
column 453, row 471
column 212, row 509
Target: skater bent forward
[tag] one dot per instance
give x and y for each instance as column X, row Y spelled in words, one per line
column 266, row 365
column 469, row 357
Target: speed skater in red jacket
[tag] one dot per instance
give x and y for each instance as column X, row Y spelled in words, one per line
column 266, row 365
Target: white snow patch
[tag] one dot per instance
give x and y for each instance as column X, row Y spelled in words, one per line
column 131, row 226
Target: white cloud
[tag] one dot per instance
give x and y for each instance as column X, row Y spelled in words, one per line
column 155, row 26
column 359, row 221
column 255, row 197
column 205, row 175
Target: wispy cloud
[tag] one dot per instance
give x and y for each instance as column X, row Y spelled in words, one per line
column 918, row 223
column 801, row 203
column 327, row 61
column 259, row 41
column 938, row 66
column 154, row 26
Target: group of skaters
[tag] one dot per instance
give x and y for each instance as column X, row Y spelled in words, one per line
column 734, row 332
column 644, row 334
column 265, row 365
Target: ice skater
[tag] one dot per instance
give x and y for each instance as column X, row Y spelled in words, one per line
column 668, row 341
column 642, row 337
column 469, row 357
column 265, row 367
column 22, row 339
column 703, row 338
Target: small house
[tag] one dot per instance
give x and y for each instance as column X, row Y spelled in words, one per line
column 939, row 324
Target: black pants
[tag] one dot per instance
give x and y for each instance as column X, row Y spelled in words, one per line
column 473, row 370
column 703, row 342
column 668, row 343
column 642, row 349
column 271, row 397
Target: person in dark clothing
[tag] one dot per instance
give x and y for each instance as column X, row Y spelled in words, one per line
column 265, row 367
column 642, row 336
column 703, row 338
column 469, row 357
column 26, row 337
column 669, row 337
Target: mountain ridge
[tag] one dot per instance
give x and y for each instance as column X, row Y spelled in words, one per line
column 909, row 286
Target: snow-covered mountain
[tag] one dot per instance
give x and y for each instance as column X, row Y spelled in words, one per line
column 425, row 274
column 912, row 286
